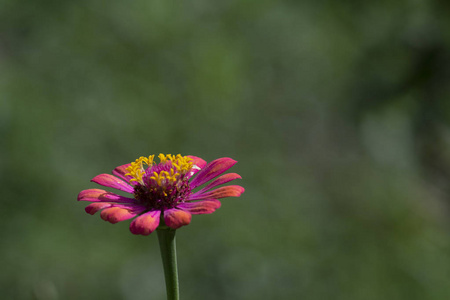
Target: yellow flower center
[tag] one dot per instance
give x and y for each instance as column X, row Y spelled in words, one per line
column 179, row 165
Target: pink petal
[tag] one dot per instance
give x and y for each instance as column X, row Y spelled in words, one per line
column 96, row 206
column 120, row 171
column 98, row 195
column 146, row 223
column 213, row 169
column 113, row 182
column 226, row 191
column 200, row 207
column 221, row 180
column 199, row 164
column 117, row 214
column 175, row 218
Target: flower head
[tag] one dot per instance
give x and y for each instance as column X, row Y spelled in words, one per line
column 163, row 190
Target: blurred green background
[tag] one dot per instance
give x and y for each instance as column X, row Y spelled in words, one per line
column 338, row 113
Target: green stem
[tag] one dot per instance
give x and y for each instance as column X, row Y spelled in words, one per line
column 166, row 237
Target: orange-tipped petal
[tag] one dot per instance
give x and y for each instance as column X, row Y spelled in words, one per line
column 98, row 195
column 222, row 192
column 96, row 206
column 200, row 207
column 117, row 214
column 175, row 218
column 146, row 223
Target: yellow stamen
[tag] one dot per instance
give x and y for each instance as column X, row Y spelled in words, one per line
column 180, row 165
column 136, row 169
column 162, row 157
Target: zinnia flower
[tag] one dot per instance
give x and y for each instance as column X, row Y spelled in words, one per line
column 161, row 191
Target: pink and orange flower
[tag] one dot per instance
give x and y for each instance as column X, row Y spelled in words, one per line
column 161, row 191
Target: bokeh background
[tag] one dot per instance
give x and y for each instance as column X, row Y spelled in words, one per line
column 338, row 113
